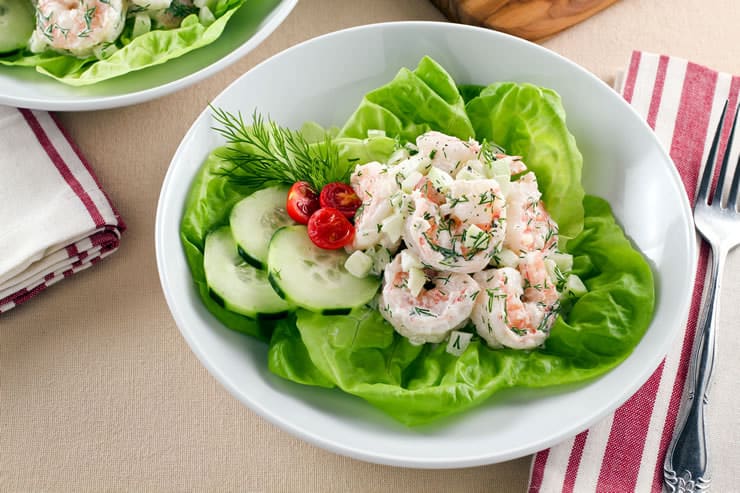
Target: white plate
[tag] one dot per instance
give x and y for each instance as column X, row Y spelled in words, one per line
column 248, row 27
column 324, row 80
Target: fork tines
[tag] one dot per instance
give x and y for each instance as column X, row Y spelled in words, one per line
column 717, row 199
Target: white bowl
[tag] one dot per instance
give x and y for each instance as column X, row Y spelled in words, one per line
column 324, row 80
column 25, row 88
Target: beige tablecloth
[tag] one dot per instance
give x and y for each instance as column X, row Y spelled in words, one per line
column 108, row 396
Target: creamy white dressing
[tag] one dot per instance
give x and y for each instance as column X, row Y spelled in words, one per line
column 446, row 227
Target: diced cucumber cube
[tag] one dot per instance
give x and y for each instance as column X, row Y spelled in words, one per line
column 381, row 258
column 398, row 200
column 142, row 24
column 409, row 261
column 421, row 164
column 359, row 264
column 410, row 181
column 551, row 267
column 439, row 178
column 398, row 156
column 458, row 342
column 564, row 261
column 474, row 237
column 392, row 226
column 468, row 173
column 506, row 258
column 205, row 16
column 504, row 183
column 416, row 281
column 501, row 167
column 575, row 286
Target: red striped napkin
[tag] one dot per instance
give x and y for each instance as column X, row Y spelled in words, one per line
column 682, row 102
column 56, row 220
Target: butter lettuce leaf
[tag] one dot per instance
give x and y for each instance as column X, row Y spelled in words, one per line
column 207, row 207
column 362, row 354
column 414, row 102
column 150, row 49
column 529, row 121
column 212, row 195
column 288, row 357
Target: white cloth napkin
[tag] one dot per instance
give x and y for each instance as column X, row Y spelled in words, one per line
column 682, row 102
column 55, row 220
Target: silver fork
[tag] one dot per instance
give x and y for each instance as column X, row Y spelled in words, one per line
column 716, row 217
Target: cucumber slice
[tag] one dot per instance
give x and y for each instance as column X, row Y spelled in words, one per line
column 16, row 24
column 236, row 285
column 314, row 278
column 253, row 221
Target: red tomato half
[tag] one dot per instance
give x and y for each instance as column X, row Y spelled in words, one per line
column 302, row 202
column 342, row 197
column 328, row 228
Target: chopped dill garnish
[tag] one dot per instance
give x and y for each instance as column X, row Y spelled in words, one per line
column 181, row 9
column 488, row 151
column 423, row 311
column 265, row 154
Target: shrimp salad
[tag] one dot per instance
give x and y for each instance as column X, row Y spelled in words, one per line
column 406, row 259
column 75, row 41
column 460, row 235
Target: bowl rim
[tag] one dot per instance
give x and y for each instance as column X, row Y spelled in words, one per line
column 276, row 17
column 388, row 458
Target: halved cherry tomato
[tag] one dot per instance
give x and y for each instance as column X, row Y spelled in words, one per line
column 342, row 197
column 302, row 202
column 328, row 228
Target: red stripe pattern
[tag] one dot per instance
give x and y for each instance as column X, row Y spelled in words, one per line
column 623, row 452
column 629, row 85
column 657, row 91
column 105, row 226
column 624, row 466
column 538, row 470
column 62, row 167
column 574, row 461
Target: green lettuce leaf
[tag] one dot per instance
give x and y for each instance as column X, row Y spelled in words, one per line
column 210, row 200
column 470, row 91
column 361, row 354
column 207, row 207
column 289, row 359
column 411, row 104
column 364, row 356
column 529, row 121
column 147, row 50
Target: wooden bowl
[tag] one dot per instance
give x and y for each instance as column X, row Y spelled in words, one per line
column 529, row 19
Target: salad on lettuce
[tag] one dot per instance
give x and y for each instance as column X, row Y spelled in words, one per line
column 81, row 42
column 434, row 250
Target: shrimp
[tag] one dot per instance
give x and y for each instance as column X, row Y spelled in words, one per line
column 443, row 305
column 516, row 165
column 538, row 287
column 459, row 232
column 77, row 27
column 516, row 307
column 529, row 226
column 375, row 186
column 446, row 152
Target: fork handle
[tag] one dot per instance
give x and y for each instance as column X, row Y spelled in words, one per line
column 686, row 463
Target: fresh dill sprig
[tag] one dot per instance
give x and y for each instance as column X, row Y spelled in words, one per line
column 264, row 154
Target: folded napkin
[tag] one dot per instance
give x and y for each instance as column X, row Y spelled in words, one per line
column 682, row 102
column 55, row 219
